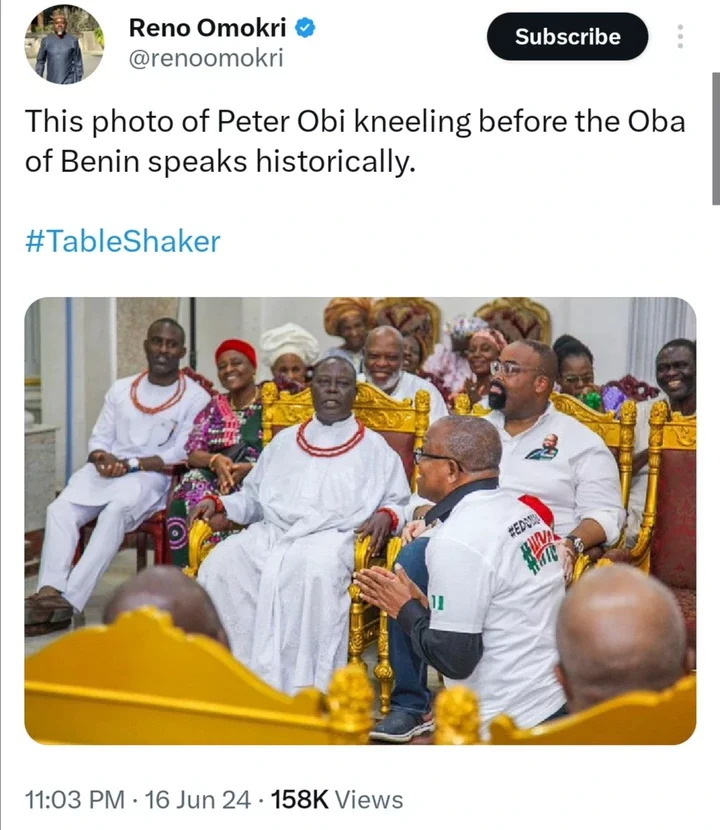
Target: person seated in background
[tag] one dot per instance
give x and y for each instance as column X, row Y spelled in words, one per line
column 290, row 352
column 495, row 583
column 349, row 318
column 546, row 454
column 280, row 586
column 448, row 364
column 483, row 350
column 223, row 445
column 577, row 376
column 413, row 354
column 618, row 631
column 168, row 589
column 142, row 429
column 675, row 372
column 383, row 361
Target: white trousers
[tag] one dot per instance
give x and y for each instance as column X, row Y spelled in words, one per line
column 62, row 531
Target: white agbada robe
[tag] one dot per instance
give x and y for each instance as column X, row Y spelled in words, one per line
column 281, row 585
column 120, row 504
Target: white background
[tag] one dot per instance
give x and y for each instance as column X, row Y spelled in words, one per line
column 625, row 214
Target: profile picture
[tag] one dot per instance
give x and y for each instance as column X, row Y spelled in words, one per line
column 64, row 44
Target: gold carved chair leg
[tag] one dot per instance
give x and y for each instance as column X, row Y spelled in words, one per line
column 357, row 618
column 383, row 670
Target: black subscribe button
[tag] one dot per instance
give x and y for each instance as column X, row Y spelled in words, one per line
column 576, row 36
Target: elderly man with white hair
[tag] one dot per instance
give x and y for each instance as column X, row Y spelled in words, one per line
column 383, row 361
column 289, row 351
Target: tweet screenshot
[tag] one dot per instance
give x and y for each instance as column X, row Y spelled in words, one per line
column 358, row 475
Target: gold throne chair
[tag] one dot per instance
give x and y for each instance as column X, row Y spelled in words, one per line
column 403, row 424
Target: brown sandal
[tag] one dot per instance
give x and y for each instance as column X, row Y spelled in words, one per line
column 48, row 608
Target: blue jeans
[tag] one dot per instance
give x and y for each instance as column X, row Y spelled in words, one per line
column 410, row 693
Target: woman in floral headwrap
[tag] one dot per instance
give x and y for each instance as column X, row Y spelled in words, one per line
column 484, row 348
column 448, row 364
column 225, row 442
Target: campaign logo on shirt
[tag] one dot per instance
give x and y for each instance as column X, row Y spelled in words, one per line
column 547, row 452
column 539, row 549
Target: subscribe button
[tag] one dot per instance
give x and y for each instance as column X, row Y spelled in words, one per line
column 554, row 36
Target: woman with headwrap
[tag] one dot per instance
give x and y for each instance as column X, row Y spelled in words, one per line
column 225, row 442
column 448, row 365
column 484, row 348
column 289, row 351
column 349, row 318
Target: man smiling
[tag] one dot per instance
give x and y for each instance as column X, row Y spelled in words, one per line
column 675, row 371
column 280, row 586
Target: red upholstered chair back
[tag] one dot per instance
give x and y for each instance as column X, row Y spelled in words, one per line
column 674, row 538
column 402, row 423
column 518, row 318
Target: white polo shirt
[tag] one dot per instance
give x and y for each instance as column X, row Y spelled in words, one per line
column 577, row 476
column 493, row 569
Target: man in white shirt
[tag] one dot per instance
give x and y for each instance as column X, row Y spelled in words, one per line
column 675, row 368
column 545, row 454
column 142, row 428
column 383, row 361
column 495, row 584
column 280, row 586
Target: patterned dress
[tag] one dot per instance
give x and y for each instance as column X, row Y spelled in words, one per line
column 218, row 427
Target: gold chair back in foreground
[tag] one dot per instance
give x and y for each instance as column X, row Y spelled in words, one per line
column 143, row 681
column 666, row 717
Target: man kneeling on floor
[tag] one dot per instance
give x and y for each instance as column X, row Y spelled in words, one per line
column 281, row 586
column 495, row 585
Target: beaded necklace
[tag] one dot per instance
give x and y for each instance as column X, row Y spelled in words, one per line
column 329, row 452
column 153, row 410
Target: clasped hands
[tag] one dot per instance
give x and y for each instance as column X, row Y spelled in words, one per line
column 386, row 590
column 229, row 475
column 109, row 465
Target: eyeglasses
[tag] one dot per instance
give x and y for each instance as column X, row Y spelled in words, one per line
column 419, row 454
column 572, row 380
column 504, row 367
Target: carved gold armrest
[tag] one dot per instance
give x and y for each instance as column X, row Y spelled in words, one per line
column 198, row 546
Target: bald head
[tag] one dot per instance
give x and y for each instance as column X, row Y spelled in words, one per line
column 382, row 334
column 168, row 589
column 618, row 631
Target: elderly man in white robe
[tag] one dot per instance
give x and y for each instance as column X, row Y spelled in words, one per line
column 142, row 428
column 281, row 586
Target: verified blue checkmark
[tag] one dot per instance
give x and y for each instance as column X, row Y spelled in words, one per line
column 305, row 27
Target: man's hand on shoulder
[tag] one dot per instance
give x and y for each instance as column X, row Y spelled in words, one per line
column 412, row 530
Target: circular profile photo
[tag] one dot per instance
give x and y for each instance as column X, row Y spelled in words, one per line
column 64, row 44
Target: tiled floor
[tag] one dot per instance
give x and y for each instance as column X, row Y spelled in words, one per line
column 121, row 569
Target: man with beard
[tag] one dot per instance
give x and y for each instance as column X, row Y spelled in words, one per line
column 383, row 363
column 675, row 370
column 61, row 52
column 579, row 483
column 142, row 427
column 280, row 586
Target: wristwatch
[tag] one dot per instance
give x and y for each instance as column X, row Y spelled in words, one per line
column 577, row 544
column 133, row 464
